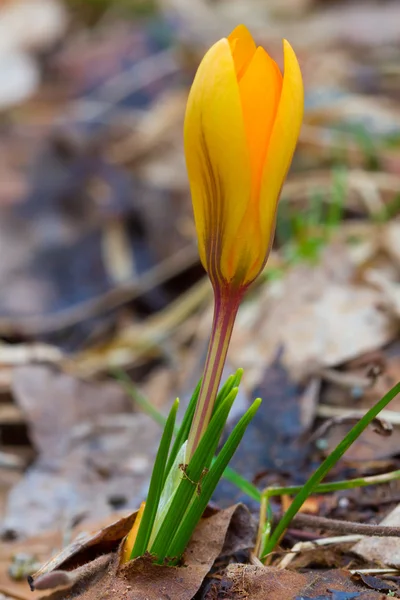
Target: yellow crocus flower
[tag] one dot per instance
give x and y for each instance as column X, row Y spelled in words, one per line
column 242, row 123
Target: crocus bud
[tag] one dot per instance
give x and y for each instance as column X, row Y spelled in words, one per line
column 242, row 123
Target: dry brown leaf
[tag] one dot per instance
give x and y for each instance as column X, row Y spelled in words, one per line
column 43, row 546
column 344, row 400
column 259, row 583
column 84, row 548
column 54, row 403
column 319, row 315
column 382, row 551
column 140, row 578
column 94, row 452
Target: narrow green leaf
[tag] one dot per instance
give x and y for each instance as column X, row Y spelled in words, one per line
column 156, row 485
column 232, row 382
column 183, row 432
column 326, row 466
column 184, row 428
column 169, row 490
column 333, row 486
column 242, row 483
column 187, row 489
column 230, row 474
column 196, row 509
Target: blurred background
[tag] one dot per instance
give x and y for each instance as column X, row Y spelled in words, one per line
column 99, row 273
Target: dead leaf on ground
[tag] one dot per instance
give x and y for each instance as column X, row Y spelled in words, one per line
column 140, row 578
column 86, row 547
column 42, row 549
column 94, row 454
column 375, row 583
column 258, row 583
column 54, row 403
column 319, row 315
column 369, row 446
column 39, row 548
column 382, row 551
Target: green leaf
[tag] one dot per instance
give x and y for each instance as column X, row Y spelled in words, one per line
column 242, row 483
column 156, row 486
column 187, row 489
column 183, row 431
column 196, row 509
column 326, row 466
column 169, row 490
column 232, row 382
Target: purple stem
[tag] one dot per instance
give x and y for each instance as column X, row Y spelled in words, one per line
column 226, row 304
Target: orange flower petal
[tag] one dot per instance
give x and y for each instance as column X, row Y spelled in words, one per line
column 282, row 143
column 216, row 155
column 242, row 47
column 260, row 90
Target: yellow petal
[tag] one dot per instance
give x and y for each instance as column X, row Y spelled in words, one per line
column 282, row 143
column 130, row 539
column 216, row 155
column 260, row 90
column 242, row 47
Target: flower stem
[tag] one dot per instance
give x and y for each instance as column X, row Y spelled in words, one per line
column 226, row 304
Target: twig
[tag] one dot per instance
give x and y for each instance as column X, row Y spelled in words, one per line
column 387, row 570
column 321, row 488
column 255, row 561
column 33, row 325
column 380, row 426
column 117, row 88
column 325, row 410
column 310, row 546
column 351, row 380
column 345, row 527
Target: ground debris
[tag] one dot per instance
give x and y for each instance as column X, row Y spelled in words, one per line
column 140, row 578
column 239, row 582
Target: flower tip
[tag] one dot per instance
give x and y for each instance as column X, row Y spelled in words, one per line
column 240, row 31
column 288, row 51
column 292, row 71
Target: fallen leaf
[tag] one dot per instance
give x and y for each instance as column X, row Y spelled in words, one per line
column 382, row 551
column 369, row 446
column 319, row 315
column 54, row 403
column 86, row 547
column 375, row 583
column 141, row 578
column 258, row 583
column 94, row 453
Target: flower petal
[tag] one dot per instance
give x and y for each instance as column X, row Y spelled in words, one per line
column 216, row 155
column 282, row 143
column 242, row 47
column 260, row 90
